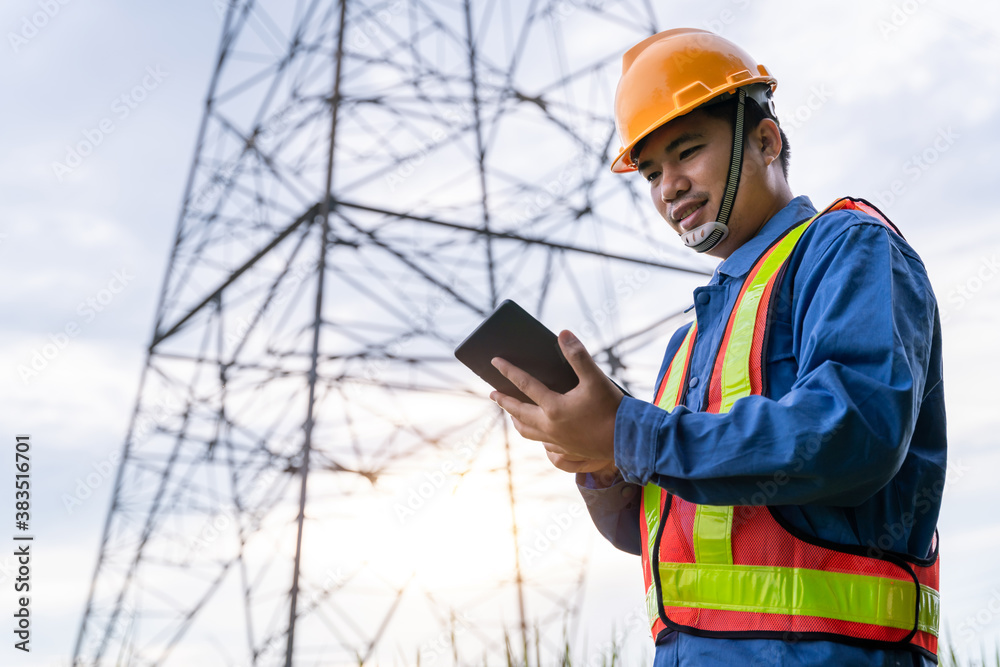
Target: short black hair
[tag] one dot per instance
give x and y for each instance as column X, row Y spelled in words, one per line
column 752, row 115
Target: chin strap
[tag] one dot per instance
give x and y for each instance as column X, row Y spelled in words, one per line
column 707, row 236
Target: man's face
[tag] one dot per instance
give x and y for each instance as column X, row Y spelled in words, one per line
column 685, row 162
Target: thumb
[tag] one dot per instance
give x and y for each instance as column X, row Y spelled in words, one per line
column 577, row 356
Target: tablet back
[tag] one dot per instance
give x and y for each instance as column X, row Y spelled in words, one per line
column 511, row 333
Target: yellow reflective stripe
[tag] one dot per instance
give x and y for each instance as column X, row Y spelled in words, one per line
column 651, row 510
column 712, row 534
column 652, row 610
column 651, row 513
column 793, row 591
column 736, row 364
column 930, row 610
column 651, row 492
column 675, row 372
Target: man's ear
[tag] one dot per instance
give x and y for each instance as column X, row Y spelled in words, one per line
column 767, row 139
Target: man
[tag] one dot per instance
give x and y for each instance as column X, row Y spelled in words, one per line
column 783, row 487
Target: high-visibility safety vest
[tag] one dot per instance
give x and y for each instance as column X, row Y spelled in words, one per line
column 744, row 571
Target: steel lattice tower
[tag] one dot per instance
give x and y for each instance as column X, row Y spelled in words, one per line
column 306, row 462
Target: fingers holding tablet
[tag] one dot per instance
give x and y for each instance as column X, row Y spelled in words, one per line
column 551, row 386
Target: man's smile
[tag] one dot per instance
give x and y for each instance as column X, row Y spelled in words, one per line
column 685, row 214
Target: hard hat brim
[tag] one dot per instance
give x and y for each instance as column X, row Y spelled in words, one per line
column 623, row 163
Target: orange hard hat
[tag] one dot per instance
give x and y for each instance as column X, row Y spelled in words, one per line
column 671, row 73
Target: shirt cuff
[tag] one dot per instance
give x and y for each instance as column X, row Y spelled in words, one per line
column 610, row 499
column 636, row 425
column 587, row 481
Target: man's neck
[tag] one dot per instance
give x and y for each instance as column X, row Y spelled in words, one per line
column 780, row 202
column 775, row 202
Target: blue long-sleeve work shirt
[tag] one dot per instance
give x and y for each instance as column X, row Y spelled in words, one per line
column 849, row 440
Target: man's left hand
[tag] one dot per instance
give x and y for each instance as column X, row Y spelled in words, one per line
column 579, row 424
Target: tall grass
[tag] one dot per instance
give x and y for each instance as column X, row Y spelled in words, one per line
column 530, row 655
column 984, row 656
column 610, row 657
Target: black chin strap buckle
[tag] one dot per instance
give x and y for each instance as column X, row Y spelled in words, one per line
column 705, row 237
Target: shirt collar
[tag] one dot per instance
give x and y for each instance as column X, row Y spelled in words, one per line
column 742, row 259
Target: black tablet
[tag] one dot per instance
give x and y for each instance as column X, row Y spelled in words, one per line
column 512, row 334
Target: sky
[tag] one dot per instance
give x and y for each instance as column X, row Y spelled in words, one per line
column 891, row 101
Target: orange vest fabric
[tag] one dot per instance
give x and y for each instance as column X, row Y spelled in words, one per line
column 743, row 571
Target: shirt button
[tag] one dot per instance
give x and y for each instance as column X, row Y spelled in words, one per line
column 693, row 382
column 703, row 298
column 628, row 491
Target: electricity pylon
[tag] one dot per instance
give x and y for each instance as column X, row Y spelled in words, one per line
column 309, row 476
